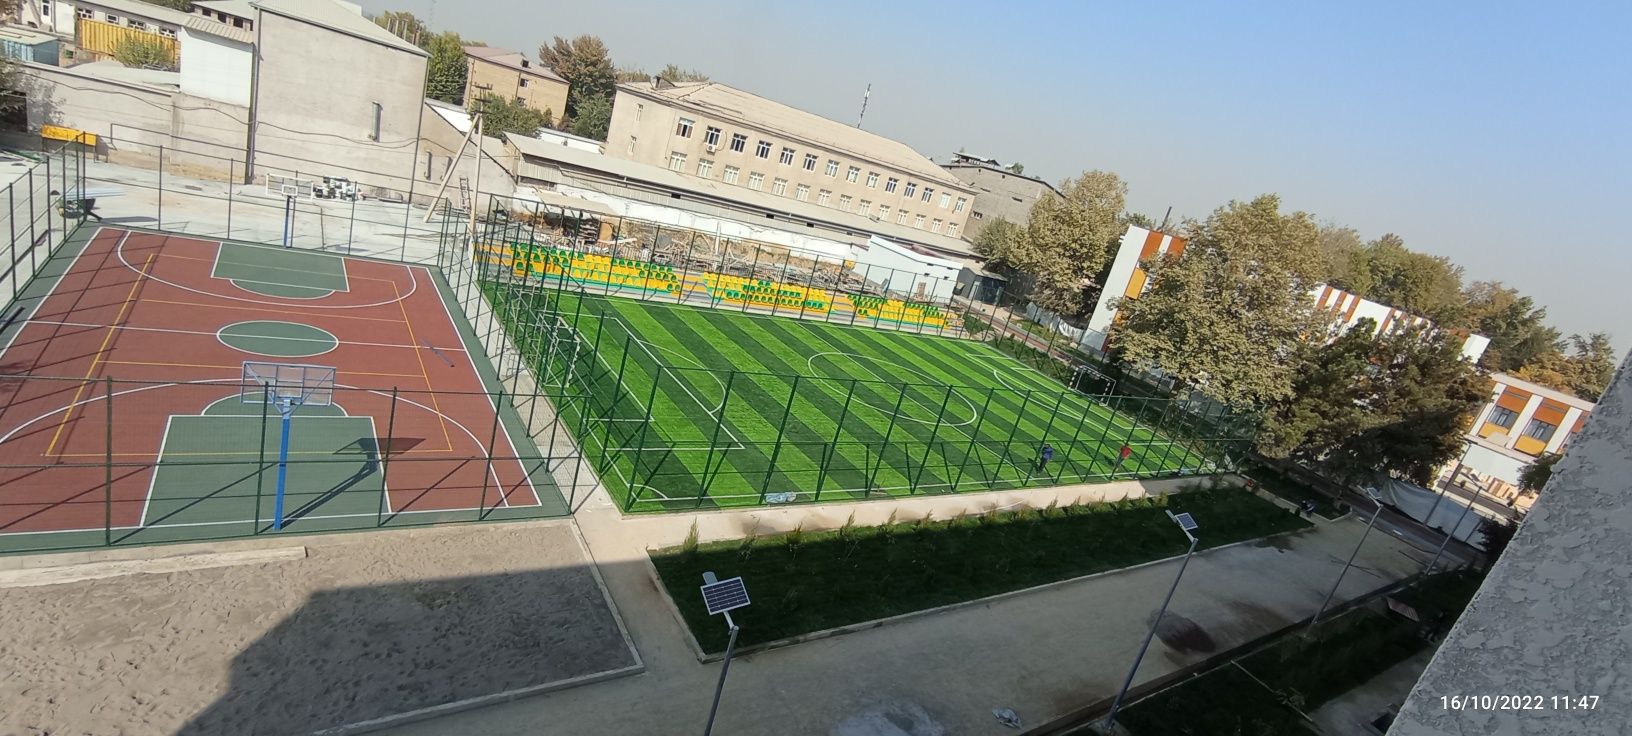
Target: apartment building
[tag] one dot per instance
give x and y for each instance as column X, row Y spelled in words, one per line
column 511, row 75
column 999, row 193
column 1521, row 422
column 711, row 131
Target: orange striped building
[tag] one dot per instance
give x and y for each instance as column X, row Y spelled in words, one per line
column 1520, row 422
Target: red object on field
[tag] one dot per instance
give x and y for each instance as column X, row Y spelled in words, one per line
column 1125, row 452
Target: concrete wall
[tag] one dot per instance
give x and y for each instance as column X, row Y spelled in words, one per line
column 541, row 93
column 216, row 68
column 1551, row 619
column 438, row 146
column 911, row 273
column 997, row 194
column 315, row 98
column 644, row 130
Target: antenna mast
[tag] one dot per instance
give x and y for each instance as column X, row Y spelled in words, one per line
column 864, row 96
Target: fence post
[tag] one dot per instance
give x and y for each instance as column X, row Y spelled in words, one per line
column 833, row 447
column 385, row 461
column 1019, row 417
column 161, row 187
column 107, row 465
column 935, row 431
column 713, row 441
column 1075, row 432
column 260, row 464
column 493, row 436
column 232, row 177
column 623, row 361
column 1052, row 413
column 776, row 450
column 351, row 226
column 640, row 442
column 974, row 436
column 884, row 446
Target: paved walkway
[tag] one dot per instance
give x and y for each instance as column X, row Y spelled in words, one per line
column 1041, row 654
column 1348, row 713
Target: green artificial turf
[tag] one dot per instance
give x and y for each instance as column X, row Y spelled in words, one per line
column 747, row 409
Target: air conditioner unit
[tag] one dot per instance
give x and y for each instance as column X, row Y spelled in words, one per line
column 712, row 148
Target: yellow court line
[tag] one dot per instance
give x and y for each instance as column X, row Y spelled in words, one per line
column 97, row 359
column 272, row 310
column 236, row 368
column 419, row 354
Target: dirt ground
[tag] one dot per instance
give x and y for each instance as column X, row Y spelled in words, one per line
column 365, row 626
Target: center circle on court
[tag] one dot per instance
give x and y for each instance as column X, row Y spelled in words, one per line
column 921, row 400
column 277, row 338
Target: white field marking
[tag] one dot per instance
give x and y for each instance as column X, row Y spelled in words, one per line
column 153, row 477
column 53, row 290
column 243, row 521
column 683, row 387
column 415, row 281
column 974, row 413
column 336, row 342
column 240, row 284
column 213, row 334
column 344, row 276
column 206, row 410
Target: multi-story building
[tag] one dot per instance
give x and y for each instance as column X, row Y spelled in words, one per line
column 1521, row 422
column 711, row 131
column 512, row 76
column 999, row 192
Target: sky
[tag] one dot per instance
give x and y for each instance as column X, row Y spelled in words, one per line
column 1491, row 133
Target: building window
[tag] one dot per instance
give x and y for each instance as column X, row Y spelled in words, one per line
column 832, row 167
column 853, row 174
column 810, row 161
column 712, row 136
column 1503, row 417
column 865, row 206
column 946, row 200
column 137, row 25
column 522, row 82
column 824, row 197
column 374, row 130
column 935, row 226
column 918, row 221
column 959, row 206
column 239, row 23
column 731, row 174
column 677, row 161
column 763, row 149
column 779, row 187
column 901, row 217
column 889, row 186
column 113, row 19
column 872, row 180
column 631, row 145
column 639, row 108
column 845, row 203
column 912, row 188
column 85, row 13
column 929, row 194
column 977, row 215
column 883, row 212
column 705, row 168
column 786, row 157
column 1540, row 430
column 802, row 193
column 167, row 32
column 756, row 180
column 683, row 128
column 739, row 142
column 952, row 229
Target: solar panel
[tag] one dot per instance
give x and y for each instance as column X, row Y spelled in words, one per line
column 1186, row 522
column 726, row 595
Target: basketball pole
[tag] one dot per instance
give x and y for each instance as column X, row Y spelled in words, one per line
column 286, row 409
column 288, row 220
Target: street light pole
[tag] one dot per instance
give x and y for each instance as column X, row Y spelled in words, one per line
column 1467, row 445
column 1376, row 498
column 1186, row 524
column 1447, row 540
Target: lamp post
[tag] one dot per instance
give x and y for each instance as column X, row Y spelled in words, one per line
column 1376, row 498
column 722, row 597
column 1187, row 525
column 1467, row 446
column 1447, row 540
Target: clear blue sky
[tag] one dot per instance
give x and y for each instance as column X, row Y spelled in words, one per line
column 1495, row 134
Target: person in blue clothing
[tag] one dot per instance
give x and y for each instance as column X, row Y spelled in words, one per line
column 1044, row 455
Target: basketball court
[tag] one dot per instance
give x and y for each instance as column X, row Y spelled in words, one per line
column 128, row 413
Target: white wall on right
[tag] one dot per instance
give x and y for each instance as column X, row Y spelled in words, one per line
column 215, row 68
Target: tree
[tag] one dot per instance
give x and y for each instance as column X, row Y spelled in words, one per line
column 670, row 72
column 1430, row 286
column 137, row 52
column 403, row 25
column 586, row 65
column 1496, row 535
column 1138, row 219
column 1345, row 258
column 1534, row 477
column 500, row 116
column 1326, row 405
column 593, row 118
column 997, row 242
column 184, row 6
column 1017, row 168
column 1585, row 372
column 446, row 71
column 1232, row 315
column 1069, row 238
column 1514, row 324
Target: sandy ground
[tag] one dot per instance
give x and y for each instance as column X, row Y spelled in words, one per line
column 365, row 626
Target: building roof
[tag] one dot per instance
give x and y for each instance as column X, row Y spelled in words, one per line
column 338, row 18
column 143, row 10
column 513, row 60
column 212, row 27
column 26, row 35
column 240, row 8
column 1546, row 393
column 741, row 196
column 113, row 71
column 734, row 104
column 990, row 165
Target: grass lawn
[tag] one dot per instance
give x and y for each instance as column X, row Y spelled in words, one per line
column 1223, row 702
column 803, row 582
column 748, row 408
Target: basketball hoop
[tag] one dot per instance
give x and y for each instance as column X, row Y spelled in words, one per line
column 286, row 386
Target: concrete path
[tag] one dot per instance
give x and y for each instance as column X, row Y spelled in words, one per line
column 1347, row 714
column 1041, row 654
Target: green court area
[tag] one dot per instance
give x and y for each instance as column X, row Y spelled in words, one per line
column 281, row 272
column 220, row 469
column 701, row 407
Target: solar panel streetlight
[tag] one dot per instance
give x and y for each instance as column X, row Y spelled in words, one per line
column 1187, row 524
column 723, row 597
column 1376, row 498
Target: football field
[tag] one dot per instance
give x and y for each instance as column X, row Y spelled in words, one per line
column 697, row 407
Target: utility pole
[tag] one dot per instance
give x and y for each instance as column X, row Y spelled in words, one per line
column 864, row 96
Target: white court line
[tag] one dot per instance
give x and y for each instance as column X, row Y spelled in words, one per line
column 240, row 284
column 334, row 340
column 53, row 290
column 214, row 334
column 219, row 245
column 153, row 477
column 120, row 251
column 683, row 387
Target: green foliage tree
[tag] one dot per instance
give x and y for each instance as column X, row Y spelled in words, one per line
column 1138, row 219
column 446, row 71
column 997, row 243
column 1232, row 316
column 1345, row 258
column 1069, row 238
column 586, row 65
column 593, row 117
column 1515, row 325
column 1017, row 168
column 500, row 116
column 1415, row 282
column 1585, row 371
column 670, row 72
column 184, row 6
column 1534, row 477
column 404, row 25
column 137, row 52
